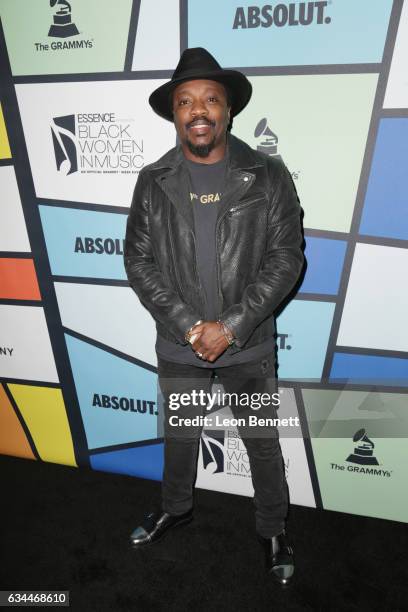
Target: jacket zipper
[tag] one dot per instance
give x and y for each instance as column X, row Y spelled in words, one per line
column 217, row 264
column 174, row 258
column 245, row 205
column 217, row 250
column 200, row 292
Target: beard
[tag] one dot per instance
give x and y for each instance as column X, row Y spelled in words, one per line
column 201, row 150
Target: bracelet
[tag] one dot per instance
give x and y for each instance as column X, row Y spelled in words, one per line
column 188, row 332
column 227, row 332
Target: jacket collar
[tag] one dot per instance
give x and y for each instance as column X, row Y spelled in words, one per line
column 240, row 156
column 173, row 177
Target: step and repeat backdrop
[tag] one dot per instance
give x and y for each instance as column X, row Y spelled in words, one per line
column 78, row 375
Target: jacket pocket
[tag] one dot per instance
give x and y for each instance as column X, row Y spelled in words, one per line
column 247, row 204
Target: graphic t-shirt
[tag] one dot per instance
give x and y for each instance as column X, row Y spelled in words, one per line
column 207, row 186
column 207, row 182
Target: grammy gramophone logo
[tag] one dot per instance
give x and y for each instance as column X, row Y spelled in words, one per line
column 362, row 460
column 363, row 450
column 268, row 140
column 62, row 26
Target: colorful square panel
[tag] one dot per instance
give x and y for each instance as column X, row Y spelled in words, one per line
column 66, row 37
column 13, row 438
column 369, row 370
column 223, row 463
column 145, row 461
column 303, row 333
column 26, row 351
column 158, row 21
column 44, row 413
column 325, row 258
column 118, row 399
column 5, row 152
column 84, row 243
column 396, row 94
column 13, row 231
column 18, row 279
column 290, row 33
column 113, row 316
column 87, row 141
column 318, row 124
column 386, row 201
column 360, row 451
column 376, row 304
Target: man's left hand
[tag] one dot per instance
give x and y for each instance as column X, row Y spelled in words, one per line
column 211, row 341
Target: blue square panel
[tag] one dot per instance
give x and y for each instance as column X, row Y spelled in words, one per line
column 325, row 258
column 385, row 206
column 145, row 461
column 289, row 33
column 370, row 370
column 303, row 334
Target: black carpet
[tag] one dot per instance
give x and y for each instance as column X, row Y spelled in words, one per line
column 67, row 529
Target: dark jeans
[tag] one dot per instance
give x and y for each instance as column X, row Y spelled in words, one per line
column 181, row 444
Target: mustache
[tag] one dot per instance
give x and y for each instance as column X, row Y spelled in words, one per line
column 200, row 121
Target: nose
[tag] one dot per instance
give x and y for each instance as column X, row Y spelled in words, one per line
column 198, row 108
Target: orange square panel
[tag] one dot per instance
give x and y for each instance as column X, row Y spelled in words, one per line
column 18, row 279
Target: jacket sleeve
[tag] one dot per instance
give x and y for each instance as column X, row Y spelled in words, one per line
column 144, row 276
column 282, row 263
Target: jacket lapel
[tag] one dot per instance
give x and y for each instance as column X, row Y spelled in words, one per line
column 237, row 183
column 176, row 185
column 238, row 179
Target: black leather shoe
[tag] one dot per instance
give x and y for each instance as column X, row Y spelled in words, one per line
column 278, row 557
column 155, row 525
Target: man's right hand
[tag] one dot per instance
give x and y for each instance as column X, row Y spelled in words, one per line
column 210, row 341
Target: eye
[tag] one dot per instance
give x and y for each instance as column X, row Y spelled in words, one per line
column 212, row 99
column 183, row 101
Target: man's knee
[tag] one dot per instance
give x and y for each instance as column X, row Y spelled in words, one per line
column 263, row 447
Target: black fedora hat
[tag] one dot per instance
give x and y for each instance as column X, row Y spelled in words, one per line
column 198, row 63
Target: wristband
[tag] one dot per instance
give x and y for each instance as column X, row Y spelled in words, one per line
column 227, row 332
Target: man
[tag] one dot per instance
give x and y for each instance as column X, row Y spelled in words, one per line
column 213, row 245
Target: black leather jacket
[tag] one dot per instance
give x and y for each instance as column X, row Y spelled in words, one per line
column 258, row 238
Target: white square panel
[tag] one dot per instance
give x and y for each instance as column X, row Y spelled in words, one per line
column 376, row 305
column 13, row 232
column 87, row 141
column 111, row 315
column 26, row 348
column 396, row 94
column 229, row 470
column 158, row 21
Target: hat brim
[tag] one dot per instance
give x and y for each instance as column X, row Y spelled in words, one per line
column 238, row 85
